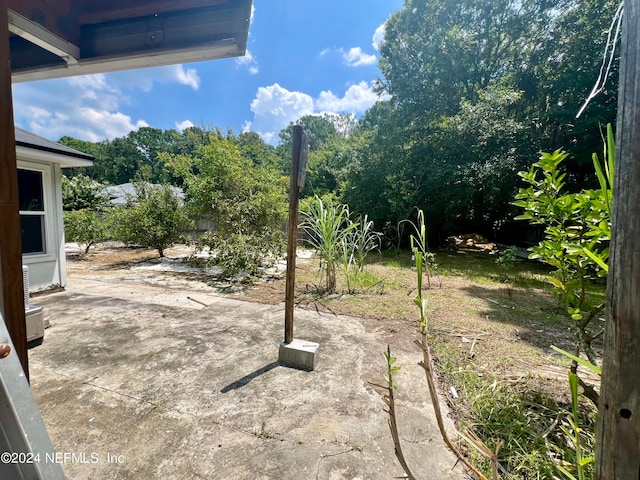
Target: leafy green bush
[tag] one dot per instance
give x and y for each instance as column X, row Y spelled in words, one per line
column 84, row 226
column 339, row 241
column 155, row 218
column 243, row 253
column 577, row 234
column 83, row 193
column 328, row 228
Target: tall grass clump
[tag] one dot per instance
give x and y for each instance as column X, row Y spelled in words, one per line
column 327, row 228
column 338, row 240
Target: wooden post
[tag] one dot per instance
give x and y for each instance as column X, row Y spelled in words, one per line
column 618, row 431
column 292, row 238
column 12, row 297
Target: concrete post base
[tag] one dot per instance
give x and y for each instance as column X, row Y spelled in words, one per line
column 298, row 354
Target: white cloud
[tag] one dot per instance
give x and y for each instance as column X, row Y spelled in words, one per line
column 183, row 125
column 90, row 107
column 145, row 78
column 248, row 61
column 356, row 99
column 85, row 123
column 275, row 107
column 355, row 57
column 82, row 107
column 186, row 77
column 378, row 36
column 324, row 52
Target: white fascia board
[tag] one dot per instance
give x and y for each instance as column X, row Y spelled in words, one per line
column 226, row 48
column 65, row 161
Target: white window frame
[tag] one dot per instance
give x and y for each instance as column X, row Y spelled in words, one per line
column 47, row 214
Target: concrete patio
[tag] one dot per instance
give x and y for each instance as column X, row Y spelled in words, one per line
column 139, row 381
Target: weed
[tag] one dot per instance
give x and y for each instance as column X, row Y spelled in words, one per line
column 534, row 431
column 265, row 434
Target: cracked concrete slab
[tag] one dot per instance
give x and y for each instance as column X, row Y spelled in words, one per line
column 158, row 383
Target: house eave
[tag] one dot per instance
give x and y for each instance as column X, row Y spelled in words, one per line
column 45, row 156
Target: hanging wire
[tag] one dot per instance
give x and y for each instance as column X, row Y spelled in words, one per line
column 608, row 57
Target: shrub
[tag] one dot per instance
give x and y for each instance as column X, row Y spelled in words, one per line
column 155, row 218
column 243, row 252
column 244, row 198
column 328, row 228
column 82, row 193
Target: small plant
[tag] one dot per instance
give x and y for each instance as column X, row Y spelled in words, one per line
column 363, row 241
column 356, row 245
column 577, row 235
column 242, row 252
column 418, row 240
column 506, row 260
column 419, row 249
column 327, row 228
column 574, row 431
column 391, row 410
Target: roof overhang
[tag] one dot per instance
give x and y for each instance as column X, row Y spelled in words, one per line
column 52, row 39
column 30, row 146
column 44, row 156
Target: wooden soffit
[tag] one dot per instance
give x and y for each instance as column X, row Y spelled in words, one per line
column 60, row 38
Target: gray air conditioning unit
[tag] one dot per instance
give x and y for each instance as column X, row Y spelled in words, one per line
column 33, row 313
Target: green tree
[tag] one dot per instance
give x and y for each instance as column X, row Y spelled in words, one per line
column 253, row 148
column 245, row 199
column 85, row 227
column 118, row 162
column 483, row 147
column 155, row 218
column 474, row 87
column 436, row 54
column 562, row 74
column 84, row 204
column 319, row 129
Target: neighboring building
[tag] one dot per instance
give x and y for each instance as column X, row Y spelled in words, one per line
column 40, row 164
column 118, row 194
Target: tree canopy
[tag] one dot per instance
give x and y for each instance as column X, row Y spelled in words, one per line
column 473, row 91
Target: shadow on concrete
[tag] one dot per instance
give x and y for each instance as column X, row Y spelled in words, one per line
column 247, row 378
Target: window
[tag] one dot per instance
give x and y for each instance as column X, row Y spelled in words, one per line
column 32, row 211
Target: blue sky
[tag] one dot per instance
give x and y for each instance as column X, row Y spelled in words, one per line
column 303, row 57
